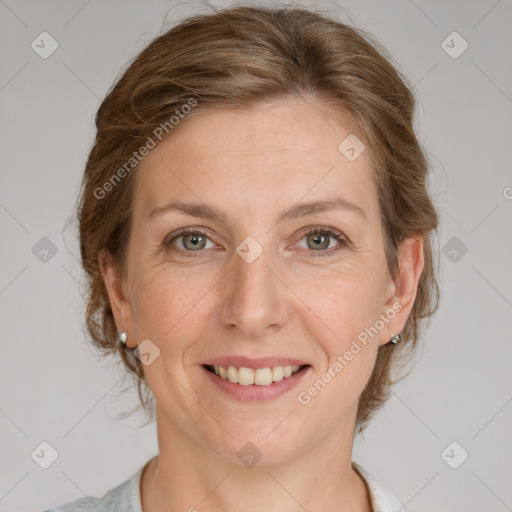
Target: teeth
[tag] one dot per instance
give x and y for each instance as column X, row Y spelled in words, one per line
column 232, row 374
column 260, row 377
column 277, row 373
column 245, row 376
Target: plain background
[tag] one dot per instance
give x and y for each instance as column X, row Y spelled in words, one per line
column 54, row 388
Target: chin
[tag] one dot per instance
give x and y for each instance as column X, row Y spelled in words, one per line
column 264, row 442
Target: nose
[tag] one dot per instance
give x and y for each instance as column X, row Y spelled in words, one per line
column 254, row 299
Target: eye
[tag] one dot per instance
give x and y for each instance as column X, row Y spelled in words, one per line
column 319, row 240
column 192, row 240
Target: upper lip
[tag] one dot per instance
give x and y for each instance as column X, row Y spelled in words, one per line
column 260, row 362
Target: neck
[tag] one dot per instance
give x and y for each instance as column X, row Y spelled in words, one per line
column 191, row 477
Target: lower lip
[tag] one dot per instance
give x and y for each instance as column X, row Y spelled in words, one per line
column 253, row 392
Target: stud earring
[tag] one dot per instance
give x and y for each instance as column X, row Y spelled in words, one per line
column 395, row 338
column 122, row 337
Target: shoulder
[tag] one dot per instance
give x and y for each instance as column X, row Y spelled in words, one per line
column 125, row 497
column 383, row 500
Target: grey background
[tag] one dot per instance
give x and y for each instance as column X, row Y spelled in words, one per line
column 54, row 388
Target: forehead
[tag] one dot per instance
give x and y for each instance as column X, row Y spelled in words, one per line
column 271, row 153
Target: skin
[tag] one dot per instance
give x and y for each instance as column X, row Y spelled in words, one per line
column 253, row 164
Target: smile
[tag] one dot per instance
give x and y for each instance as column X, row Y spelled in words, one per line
column 249, row 376
column 254, row 385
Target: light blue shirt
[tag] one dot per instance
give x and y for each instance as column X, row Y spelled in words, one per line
column 126, row 497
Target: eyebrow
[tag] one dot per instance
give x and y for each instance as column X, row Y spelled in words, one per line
column 294, row 212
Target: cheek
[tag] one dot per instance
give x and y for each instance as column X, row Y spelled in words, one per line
column 345, row 305
column 346, row 300
column 166, row 306
column 348, row 358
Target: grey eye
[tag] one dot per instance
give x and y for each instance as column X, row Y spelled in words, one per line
column 319, row 241
column 193, row 241
column 190, row 241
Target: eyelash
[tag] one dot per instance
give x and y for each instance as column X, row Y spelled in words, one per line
column 331, row 233
column 343, row 242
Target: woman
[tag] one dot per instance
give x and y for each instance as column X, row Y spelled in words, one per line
column 256, row 229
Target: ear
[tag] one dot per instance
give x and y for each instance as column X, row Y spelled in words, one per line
column 402, row 290
column 119, row 300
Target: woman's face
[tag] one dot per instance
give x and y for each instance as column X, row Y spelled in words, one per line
column 256, row 284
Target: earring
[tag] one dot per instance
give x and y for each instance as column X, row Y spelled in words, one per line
column 395, row 338
column 122, row 337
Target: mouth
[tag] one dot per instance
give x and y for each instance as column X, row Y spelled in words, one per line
column 245, row 376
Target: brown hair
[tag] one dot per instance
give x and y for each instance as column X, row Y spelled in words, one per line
column 236, row 58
